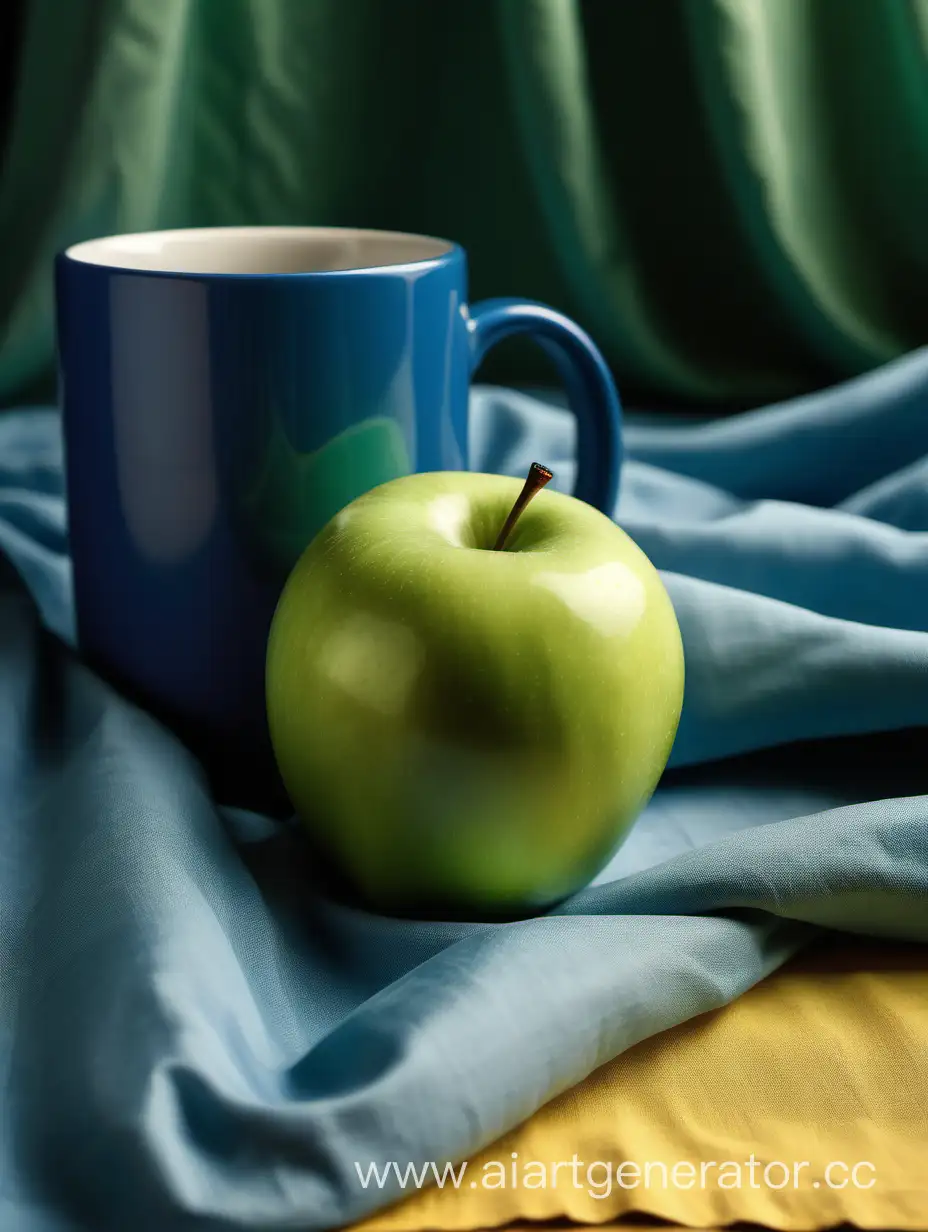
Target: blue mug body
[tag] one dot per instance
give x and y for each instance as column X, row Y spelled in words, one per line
column 224, row 393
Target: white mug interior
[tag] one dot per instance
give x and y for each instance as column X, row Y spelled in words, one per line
column 259, row 250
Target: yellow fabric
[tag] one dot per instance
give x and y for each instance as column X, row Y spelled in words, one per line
column 825, row 1061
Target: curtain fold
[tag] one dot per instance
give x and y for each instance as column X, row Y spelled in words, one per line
column 729, row 194
column 778, row 82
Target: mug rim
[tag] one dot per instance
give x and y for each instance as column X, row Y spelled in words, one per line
column 79, row 253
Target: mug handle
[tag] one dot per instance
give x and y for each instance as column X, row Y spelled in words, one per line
column 590, row 389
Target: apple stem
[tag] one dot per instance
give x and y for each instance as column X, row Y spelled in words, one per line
column 538, row 476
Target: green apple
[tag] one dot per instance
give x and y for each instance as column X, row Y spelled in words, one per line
column 469, row 728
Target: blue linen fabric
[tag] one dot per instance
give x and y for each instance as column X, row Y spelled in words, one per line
column 194, row 1036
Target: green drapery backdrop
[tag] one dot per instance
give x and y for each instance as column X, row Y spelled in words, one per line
column 731, row 195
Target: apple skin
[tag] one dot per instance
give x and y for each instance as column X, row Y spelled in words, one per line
column 469, row 732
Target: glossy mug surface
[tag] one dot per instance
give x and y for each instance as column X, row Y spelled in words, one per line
column 224, row 393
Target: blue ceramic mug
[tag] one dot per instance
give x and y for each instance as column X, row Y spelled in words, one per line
column 225, row 391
